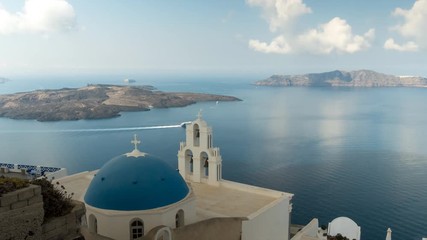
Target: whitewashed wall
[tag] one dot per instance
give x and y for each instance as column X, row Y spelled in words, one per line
column 270, row 223
column 116, row 224
column 309, row 231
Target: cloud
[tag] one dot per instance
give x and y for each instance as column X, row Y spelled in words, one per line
column 280, row 13
column 407, row 47
column 333, row 36
column 412, row 28
column 278, row 45
column 38, row 16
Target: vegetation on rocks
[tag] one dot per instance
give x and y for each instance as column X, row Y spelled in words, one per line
column 337, row 237
column 56, row 202
column 11, row 184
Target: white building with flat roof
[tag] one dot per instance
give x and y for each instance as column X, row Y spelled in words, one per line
column 137, row 196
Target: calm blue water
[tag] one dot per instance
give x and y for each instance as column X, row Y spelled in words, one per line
column 359, row 153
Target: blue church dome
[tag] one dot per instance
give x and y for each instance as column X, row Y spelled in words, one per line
column 132, row 182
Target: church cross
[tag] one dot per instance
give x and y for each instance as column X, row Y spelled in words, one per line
column 135, row 141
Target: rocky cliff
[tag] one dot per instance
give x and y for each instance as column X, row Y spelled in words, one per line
column 94, row 102
column 360, row 78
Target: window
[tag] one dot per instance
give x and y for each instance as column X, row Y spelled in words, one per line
column 136, row 229
column 93, row 224
column 179, row 219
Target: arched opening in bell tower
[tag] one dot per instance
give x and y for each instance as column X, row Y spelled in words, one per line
column 189, row 161
column 209, row 141
column 205, row 163
column 196, row 135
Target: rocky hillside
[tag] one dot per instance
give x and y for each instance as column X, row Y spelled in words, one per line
column 360, row 78
column 94, row 102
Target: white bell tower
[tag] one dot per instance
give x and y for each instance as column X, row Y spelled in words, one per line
column 198, row 161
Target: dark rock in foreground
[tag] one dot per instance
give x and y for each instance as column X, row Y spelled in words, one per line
column 360, row 78
column 94, row 102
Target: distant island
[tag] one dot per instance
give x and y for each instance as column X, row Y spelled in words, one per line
column 95, row 102
column 359, row 78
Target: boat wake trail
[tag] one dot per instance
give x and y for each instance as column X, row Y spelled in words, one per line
column 93, row 129
column 119, row 129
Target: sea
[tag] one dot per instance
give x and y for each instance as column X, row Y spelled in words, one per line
column 354, row 152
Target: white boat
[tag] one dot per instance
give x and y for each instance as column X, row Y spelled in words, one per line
column 184, row 124
column 128, row 80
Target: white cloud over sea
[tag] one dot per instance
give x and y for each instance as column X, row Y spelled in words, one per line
column 412, row 29
column 280, row 13
column 335, row 36
column 38, row 16
column 409, row 46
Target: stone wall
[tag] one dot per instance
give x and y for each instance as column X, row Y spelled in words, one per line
column 65, row 227
column 21, row 214
column 21, row 217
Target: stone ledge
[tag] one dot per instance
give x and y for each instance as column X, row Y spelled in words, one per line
column 24, row 210
column 19, row 195
column 47, row 227
column 19, row 204
column 22, row 223
column 37, row 190
column 56, row 233
column 79, row 208
column 26, row 193
column 4, row 209
column 35, row 199
column 67, row 226
column 8, row 198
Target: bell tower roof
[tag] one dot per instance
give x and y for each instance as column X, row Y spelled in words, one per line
column 201, row 123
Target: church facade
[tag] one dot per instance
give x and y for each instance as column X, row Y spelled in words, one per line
column 138, row 196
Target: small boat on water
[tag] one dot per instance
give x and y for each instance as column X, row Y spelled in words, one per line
column 184, row 124
column 128, row 80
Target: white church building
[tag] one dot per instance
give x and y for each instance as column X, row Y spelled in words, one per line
column 138, row 196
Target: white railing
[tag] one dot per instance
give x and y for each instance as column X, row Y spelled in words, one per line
column 36, row 171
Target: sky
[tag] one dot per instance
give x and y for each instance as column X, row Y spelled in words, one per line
column 223, row 37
